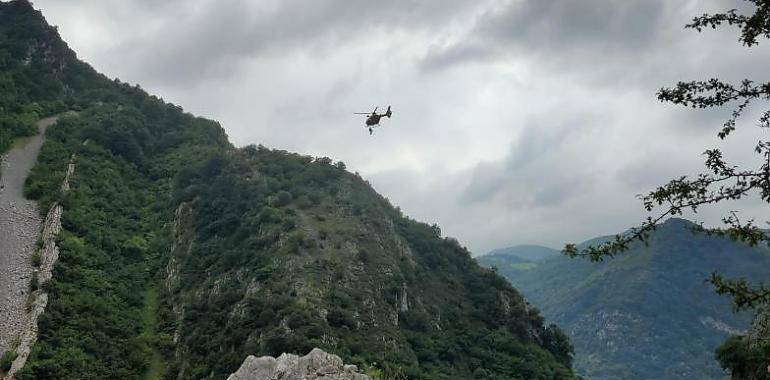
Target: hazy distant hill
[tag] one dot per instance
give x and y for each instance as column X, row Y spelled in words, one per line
column 646, row 314
column 526, row 252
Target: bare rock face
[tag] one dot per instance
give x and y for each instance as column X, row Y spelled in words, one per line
column 760, row 328
column 315, row 365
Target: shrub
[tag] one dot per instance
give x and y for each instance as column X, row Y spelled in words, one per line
column 340, row 318
column 34, row 282
column 7, row 360
column 283, row 198
column 36, row 259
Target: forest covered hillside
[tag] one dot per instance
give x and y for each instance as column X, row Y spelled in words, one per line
column 181, row 255
column 37, row 71
column 648, row 313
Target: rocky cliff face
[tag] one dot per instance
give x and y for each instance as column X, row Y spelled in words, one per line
column 273, row 252
column 315, row 365
column 760, row 329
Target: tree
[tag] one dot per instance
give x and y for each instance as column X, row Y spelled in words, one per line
column 722, row 182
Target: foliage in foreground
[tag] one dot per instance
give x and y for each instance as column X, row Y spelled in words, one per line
column 746, row 359
column 6, row 360
column 723, row 182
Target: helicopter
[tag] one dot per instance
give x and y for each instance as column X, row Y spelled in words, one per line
column 373, row 121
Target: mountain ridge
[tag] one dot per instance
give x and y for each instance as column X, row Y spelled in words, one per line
column 528, row 252
column 181, row 254
column 657, row 291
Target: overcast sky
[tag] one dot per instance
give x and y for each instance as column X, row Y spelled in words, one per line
column 522, row 121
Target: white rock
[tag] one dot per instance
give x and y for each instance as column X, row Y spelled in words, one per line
column 315, row 365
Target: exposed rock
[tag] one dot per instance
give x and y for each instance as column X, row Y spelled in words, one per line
column 38, row 299
column 760, row 328
column 20, row 224
column 404, row 299
column 720, row 326
column 315, row 365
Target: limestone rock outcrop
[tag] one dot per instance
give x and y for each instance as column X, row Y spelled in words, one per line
column 318, row 364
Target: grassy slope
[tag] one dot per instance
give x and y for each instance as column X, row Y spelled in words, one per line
column 156, row 369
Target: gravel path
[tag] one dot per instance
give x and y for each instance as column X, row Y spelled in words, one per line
column 20, row 224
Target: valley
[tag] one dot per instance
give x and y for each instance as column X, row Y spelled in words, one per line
column 646, row 314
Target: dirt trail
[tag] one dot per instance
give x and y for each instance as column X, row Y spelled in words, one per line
column 20, row 227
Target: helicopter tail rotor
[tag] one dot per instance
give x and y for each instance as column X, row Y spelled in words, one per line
column 388, row 113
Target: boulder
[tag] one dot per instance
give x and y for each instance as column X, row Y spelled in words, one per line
column 318, row 364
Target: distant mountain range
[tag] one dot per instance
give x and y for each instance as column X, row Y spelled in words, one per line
column 646, row 314
column 525, row 252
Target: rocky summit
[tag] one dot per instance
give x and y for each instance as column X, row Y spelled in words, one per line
column 318, row 364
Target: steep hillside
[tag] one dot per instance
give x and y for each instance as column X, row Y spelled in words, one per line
column 181, row 255
column 39, row 74
column 646, row 314
column 280, row 252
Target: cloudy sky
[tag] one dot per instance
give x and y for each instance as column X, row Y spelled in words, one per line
column 515, row 121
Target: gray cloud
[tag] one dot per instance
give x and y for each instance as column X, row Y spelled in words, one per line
column 239, row 30
column 556, row 29
column 524, row 121
column 606, row 42
column 600, row 26
column 530, row 175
